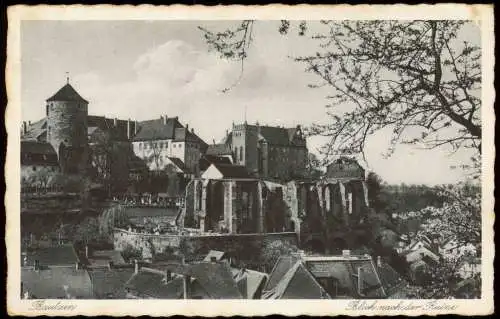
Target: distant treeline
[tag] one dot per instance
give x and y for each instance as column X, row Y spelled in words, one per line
column 390, row 199
column 407, row 198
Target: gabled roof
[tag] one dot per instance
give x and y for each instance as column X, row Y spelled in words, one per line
column 250, row 282
column 109, row 283
column 177, row 162
column 281, row 267
column 53, row 256
column 391, row 280
column 218, row 150
column 297, row 283
column 218, row 255
column 232, row 171
column 216, row 279
column 56, row 283
column 33, row 153
column 103, row 257
column 157, row 129
column 67, row 93
column 206, row 160
column 151, row 283
column 116, row 132
column 345, row 271
column 35, row 131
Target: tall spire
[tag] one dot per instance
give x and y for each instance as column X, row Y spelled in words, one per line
column 67, row 77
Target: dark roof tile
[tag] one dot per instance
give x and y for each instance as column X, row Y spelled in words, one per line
column 56, row 283
column 216, row 279
column 67, row 93
column 218, row 150
column 157, row 129
column 53, row 256
column 297, row 283
column 232, row 171
column 110, row 283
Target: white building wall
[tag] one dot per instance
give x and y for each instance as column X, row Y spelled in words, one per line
column 165, row 149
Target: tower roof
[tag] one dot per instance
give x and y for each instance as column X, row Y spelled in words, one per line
column 67, row 93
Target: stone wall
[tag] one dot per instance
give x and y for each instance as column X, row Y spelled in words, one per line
column 241, row 246
column 123, row 238
column 67, row 125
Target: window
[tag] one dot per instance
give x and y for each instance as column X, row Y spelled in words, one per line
column 34, row 168
column 161, row 144
column 241, row 153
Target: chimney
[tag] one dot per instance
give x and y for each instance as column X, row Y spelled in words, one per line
column 86, row 251
column 192, row 130
column 165, row 118
column 213, row 259
column 77, row 266
column 29, row 122
column 186, row 283
column 136, row 127
column 25, row 128
column 37, row 265
column 213, row 141
column 110, row 265
column 187, row 127
column 136, row 266
column 346, row 253
column 129, row 129
column 115, row 122
column 379, row 261
column 227, row 133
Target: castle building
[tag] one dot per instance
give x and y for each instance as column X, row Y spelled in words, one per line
column 66, row 113
column 270, row 152
column 161, row 141
column 67, row 139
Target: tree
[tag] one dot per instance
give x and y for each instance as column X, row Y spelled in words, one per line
column 174, row 182
column 88, row 231
column 108, row 162
column 40, row 179
column 460, row 216
column 377, row 196
column 271, row 251
column 421, row 79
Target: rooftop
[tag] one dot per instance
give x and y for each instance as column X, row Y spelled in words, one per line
column 67, row 93
column 218, row 150
column 52, row 256
column 56, row 283
column 232, row 171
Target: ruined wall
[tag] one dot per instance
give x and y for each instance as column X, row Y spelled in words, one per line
column 242, row 246
column 123, row 238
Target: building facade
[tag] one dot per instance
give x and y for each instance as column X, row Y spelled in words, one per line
column 276, row 153
column 157, row 141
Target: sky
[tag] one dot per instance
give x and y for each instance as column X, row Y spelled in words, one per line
column 146, row 69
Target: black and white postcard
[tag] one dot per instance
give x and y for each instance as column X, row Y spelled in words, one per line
column 339, row 156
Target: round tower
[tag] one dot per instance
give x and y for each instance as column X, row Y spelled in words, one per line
column 67, row 113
